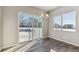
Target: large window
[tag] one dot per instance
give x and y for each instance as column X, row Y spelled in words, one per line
column 69, row 21
column 30, row 27
column 65, row 21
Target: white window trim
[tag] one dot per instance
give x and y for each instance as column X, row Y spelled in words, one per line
column 57, row 29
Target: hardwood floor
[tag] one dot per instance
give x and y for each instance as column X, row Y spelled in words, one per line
column 45, row 45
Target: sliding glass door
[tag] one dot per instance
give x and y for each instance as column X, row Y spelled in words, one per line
column 24, row 27
column 30, row 27
column 37, row 27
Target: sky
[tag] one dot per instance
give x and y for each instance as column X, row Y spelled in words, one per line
column 68, row 18
column 26, row 15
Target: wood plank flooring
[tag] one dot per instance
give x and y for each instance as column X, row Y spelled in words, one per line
column 46, row 45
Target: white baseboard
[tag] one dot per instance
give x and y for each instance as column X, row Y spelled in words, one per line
column 64, row 41
column 8, row 46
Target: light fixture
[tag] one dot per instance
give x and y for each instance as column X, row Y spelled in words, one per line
column 42, row 15
column 47, row 15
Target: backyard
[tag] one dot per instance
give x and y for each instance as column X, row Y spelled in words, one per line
column 26, row 34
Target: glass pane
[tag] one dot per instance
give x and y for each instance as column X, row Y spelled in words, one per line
column 36, row 27
column 24, row 26
column 30, row 27
column 69, row 20
column 57, row 21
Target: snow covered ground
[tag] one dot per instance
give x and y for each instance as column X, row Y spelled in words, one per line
column 26, row 36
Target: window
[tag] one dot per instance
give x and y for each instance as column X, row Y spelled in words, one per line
column 69, row 21
column 57, row 22
column 24, row 27
column 65, row 21
column 30, row 27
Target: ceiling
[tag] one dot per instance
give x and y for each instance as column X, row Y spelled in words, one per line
column 46, row 8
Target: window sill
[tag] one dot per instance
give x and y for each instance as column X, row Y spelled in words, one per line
column 69, row 30
column 57, row 29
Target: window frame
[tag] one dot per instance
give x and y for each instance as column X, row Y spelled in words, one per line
column 62, row 29
column 38, row 16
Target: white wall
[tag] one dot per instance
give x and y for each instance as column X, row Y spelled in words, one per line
column 10, row 23
column 66, row 36
column 10, row 26
column 45, row 27
column 0, row 28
